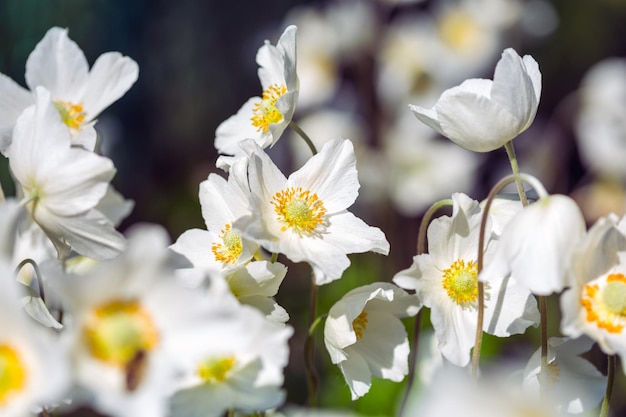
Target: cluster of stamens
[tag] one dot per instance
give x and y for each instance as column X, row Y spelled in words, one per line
column 228, row 250
column 605, row 305
column 266, row 112
column 299, row 210
column 461, row 283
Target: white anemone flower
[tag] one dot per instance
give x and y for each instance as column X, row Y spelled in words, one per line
column 446, row 281
column 536, row 244
column 305, row 216
column 571, row 382
column 62, row 184
column 234, row 361
column 265, row 118
column 78, row 93
column 594, row 304
column 483, row 115
column 34, row 368
column 364, row 336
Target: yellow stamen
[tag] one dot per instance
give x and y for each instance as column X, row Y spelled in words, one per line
column 460, row 31
column 12, row 373
column 265, row 112
column 360, row 324
column 72, row 115
column 228, row 250
column 604, row 302
column 461, row 282
column 116, row 332
column 215, row 370
column 299, row 210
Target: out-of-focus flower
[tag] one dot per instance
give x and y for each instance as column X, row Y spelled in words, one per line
column 571, row 382
column 62, row 184
column 235, row 361
column 305, row 216
column 79, row 94
column 265, row 118
column 594, row 304
column 536, row 245
column 601, row 123
column 34, row 368
column 364, row 336
column 483, row 115
column 446, row 281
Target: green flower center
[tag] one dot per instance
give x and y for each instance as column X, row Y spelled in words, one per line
column 461, row 283
column 215, row 369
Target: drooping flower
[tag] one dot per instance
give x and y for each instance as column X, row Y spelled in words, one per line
column 483, row 115
column 305, row 216
column 79, row 94
column 364, row 336
column 62, row 184
column 265, row 118
column 536, row 244
column 572, row 382
column 446, row 281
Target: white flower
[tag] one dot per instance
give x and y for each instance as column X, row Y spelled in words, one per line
column 34, row 369
column 483, row 115
column 79, row 94
column 536, row 244
column 571, row 382
column 305, row 216
column 446, row 281
column 62, row 184
column 234, row 361
column 123, row 314
column 594, row 303
column 265, row 118
column 365, row 338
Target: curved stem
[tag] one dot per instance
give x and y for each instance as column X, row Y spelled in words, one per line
column 304, row 136
column 610, row 379
column 42, row 295
column 421, row 248
column 312, row 377
column 510, row 152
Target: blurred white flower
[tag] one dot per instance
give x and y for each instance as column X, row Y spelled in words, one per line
column 446, row 281
column 62, row 184
column 79, row 94
column 305, row 216
column 364, row 336
column 571, row 382
column 601, row 123
column 483, row 115
column 536, row 245
column 265, row 118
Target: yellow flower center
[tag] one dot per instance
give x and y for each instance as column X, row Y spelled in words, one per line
column 12, row 373
column 228, row 250
column 119, row 332
column 461, row 283
column 215, row 369
column 460, row 31
column 72, row 115
column 605, row 302
column 299, row 210
column 265, row 112
column 360, row 324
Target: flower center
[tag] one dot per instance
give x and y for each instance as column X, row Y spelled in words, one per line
column 299, row 210
column 360, row 324
column 72, row 115
column 12, row 373
column 460, row 31
column 119, row 331
column 215, row 369
column 605, row 302
column 228, row 250
column 461, row 283
column 265, row 112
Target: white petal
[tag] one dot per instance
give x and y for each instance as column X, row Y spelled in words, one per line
column 239, row 127
column 13, row 100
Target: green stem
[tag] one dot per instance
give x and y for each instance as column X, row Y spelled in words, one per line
column 610, row 379
column 421, row 248
column 510, row 152
column 312, row 377
column 304, row 136
column 274, row 257
column 42, row 295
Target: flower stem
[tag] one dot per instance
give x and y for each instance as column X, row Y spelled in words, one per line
column 304, row 136
column 510, row 152
column 610, row 378
column 312, row 377
column 421, row 248
column 42, row 295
